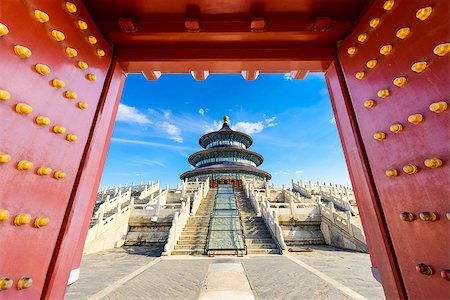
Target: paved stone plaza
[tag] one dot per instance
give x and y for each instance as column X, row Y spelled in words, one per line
column 139, row 273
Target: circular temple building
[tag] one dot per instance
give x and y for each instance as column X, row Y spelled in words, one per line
column 225, row 158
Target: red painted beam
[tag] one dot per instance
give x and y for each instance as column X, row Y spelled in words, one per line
column 372, row 217
column 76, row 222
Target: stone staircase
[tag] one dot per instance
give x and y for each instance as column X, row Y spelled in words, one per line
column 192, row 240
column 257, row 237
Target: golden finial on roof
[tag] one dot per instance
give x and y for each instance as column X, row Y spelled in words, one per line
column 226, row 120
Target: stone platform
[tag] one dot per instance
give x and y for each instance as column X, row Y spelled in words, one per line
column 140, row 273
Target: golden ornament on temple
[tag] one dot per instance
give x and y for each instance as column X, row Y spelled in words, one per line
column 59, row 175
column 23, row 109
column 374, row 22
column 57, row 83
column 71, row 137
column 351, row 50
column 396, row 128
column 379, row 136
column 362, row 37
column 22, row 219
column 24, row 283
column 400, row 81
column 71, row 52
column 71, row 7
column 22, row 51
column 424, row 13
column 442, row 49
column 41, row 16
column 41, row 222
column 360, row 75
column 383, row 93
column 415, row 119
column 92, row 40
column 438, row 107
column 82, row 105
column 3, row 29
column 58, row 35
column 386, row 50
column 82, row 65
column 24, row 165
column 388, row 4
column 370, row 103
column 59, row 129
column 42, row 121
column 4, row 95
column 391, row 173
column 4, row 215
column 82, row 25
column 433, row 163
column 410, row 169
column 402, row 33
column 372, row 63
column 42, row 69
column 5, row 158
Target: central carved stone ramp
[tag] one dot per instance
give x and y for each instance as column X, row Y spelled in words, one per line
column 192, row 240
column 257, row 237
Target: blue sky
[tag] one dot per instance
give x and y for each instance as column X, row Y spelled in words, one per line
column 159, row 123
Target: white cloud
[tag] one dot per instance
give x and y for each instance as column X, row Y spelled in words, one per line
column 130, row 114
column 202, row 111
column 299, row 172
column 270, row 122
column 288, row 76
column 151, row 162
column 173, row 131
column 167, row 114
column 332, row 120
column 248, row 127
column 216, row 125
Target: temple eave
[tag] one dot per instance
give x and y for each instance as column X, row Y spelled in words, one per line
column 233, row 169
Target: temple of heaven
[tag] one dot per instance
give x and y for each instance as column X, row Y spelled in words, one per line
column 225, row 158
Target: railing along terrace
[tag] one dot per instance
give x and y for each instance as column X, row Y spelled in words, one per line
column 178, row 223
column 116, row 209
column 315, row 189
column 199, row 194
column 271, row 219
column 345, row 223
column 341, row 202
column 249, row 192
column 342, row 197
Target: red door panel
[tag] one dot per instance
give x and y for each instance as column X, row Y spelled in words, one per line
column 419, row 241
column 29, row 249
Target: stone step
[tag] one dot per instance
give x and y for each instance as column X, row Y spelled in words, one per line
column 192, row 224
column 263, row 251
column 199, row 219
column 193, row 236
column 194, row 247
column 261, row 246
column 226, row 252
column 254, row 227
column 265, row 235
column 258, row 241
column 188, row 252
column 196, row 230
column 192, row 242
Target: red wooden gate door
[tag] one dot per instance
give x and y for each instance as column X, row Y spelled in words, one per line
column 53, row 68
column 396, row 67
